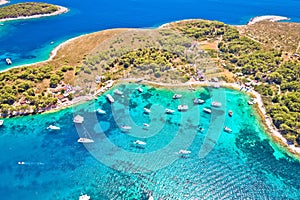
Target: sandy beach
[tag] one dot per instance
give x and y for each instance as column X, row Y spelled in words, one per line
column 61, row 10
column 272, row 18
column 3, row 2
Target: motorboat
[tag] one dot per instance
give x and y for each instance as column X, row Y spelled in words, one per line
column 169, row 111
column 183, row 107
column 100, row 111
column 216, row 104
column 84, row 197
column 52, row 127
column 139, row 142
column 110, row 98
column 140, row 89
column 207, row 110
column 177, row 96
column 78, row 119
column 230, row 113
column 85, row 140
column 118, row 92
column 226, row 129
column 8, row 61
column 198, row 101
column 1, row 122
column 146, row 110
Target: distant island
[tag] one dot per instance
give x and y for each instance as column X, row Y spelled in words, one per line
column 261, row 59
column 29, row 10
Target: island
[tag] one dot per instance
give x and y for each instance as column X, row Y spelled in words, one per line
column 259, row 59
column 29, row 10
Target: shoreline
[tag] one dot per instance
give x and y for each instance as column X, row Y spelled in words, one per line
column 61, row 10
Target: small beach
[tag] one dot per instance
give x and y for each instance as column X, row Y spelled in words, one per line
column 272, row 18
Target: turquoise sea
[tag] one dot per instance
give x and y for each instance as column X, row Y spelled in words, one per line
column 243, row 164
column 36, row 163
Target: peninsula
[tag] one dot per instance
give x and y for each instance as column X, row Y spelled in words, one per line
column 183, row 53
column 29, row 10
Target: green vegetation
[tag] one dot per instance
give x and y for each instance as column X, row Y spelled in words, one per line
column 24, row 90
column 26, row 9
column 155, row 55
column 200, row 29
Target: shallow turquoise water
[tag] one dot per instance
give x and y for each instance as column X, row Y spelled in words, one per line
column 241, row 165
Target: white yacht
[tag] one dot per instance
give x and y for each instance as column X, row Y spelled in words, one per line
column 146, row 110
column 100, row 111
column 183, row 107
column 110, row 98
column 84, row 197
column 52, row 127
column 8, row 61
column 85, row 140
column 1, row 122
column 169, row 111
column 207, row 110
column 177, row 96
column 78, row 119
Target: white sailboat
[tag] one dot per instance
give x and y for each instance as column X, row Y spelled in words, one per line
column 52, row 127
column 85, row 140
column 1, row 122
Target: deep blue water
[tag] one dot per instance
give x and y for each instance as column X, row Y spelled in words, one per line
column 243, row 164
column 29, row 41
